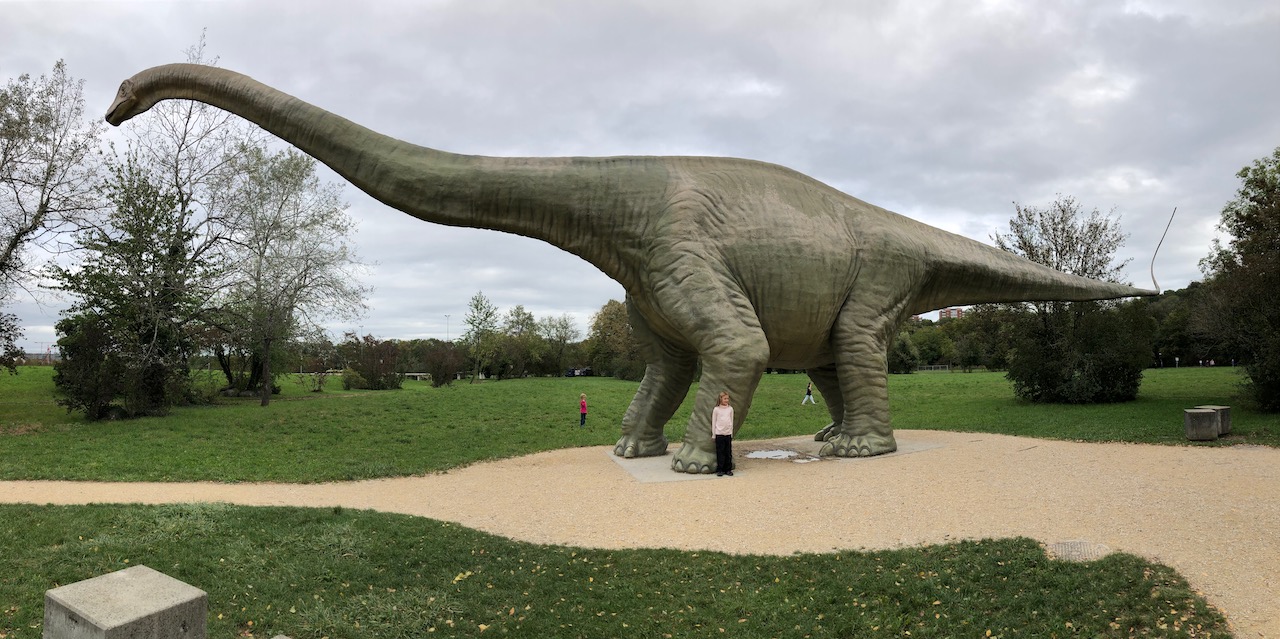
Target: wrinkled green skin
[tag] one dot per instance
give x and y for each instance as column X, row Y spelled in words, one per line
column 742, row 264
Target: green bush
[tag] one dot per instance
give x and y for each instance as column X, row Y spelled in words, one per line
column 443, row 361
column 1081, row 353
column 376, row 363
column 89, row 377
column 904, row 357
column 1264, row 377
column 353, row 380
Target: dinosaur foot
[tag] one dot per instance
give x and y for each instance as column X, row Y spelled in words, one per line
column 827, row 432
column 846, row 445
column 631, row 446
column 694, row 461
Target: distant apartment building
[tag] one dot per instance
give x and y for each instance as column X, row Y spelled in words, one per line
column 954, row 312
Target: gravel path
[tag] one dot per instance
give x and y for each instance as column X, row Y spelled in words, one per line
column 1211, row 513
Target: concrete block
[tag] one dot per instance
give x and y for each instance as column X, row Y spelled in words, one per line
column 1201, row 424
column 1224, row 417
column 135, row 603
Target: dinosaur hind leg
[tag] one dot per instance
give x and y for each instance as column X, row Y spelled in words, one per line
column 666, row 382
column 828, row 383
column 861, row 338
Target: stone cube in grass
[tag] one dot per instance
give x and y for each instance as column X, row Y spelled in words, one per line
column 1201, row 424
column 135, row 603
column 1224, row 417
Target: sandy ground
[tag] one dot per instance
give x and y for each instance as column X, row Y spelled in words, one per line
column 1211, row 513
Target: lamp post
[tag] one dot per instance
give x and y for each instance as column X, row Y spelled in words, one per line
column 446, row 327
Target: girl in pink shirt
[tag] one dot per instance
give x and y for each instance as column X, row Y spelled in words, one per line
column 722, row 429
column 582, row 409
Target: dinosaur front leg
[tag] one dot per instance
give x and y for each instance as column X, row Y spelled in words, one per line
column 861, row 338
column 732, row 363
column 666, row 382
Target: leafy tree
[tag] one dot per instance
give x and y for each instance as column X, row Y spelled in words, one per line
column 968, row 353
column 1074, row 352
column 135, row 287
column 933, row 345
column 413, row 355
column 982, row 336
column 220, row 334
column 904, row 357
column 481, row 336
column 1181, row 334
column 1108, row 350
column 522, row 344
column 1240, row 306
column 559, row 333
column 612, row 347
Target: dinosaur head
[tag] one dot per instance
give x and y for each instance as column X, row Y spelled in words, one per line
column 125, row 106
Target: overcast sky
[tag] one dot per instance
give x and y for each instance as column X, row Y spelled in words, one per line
column 947, row 112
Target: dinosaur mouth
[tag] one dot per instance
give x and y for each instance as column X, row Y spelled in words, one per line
column 117, row 113
column 122, row 108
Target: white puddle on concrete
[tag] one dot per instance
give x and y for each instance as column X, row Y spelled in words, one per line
column 772, row 454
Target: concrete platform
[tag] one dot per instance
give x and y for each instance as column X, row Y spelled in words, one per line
column 792, row 450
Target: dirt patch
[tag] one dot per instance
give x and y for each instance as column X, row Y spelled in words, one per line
column 20, row 429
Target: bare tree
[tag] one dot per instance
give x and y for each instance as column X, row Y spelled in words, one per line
column 293, row 267
column 193, row 148
column 49, row 169
column 9, row 351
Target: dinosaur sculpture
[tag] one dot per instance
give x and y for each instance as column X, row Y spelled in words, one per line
column 742, row 264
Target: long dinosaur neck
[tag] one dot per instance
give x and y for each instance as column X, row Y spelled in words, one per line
column 572, row 203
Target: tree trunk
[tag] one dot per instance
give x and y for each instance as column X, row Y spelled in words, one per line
column 266, row 371
column 224, row 362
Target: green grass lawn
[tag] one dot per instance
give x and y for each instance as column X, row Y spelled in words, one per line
column 336, row 573
column 984, row 402
column 341, row 435
column 312, row 573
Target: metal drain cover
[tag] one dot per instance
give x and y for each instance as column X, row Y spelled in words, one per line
column 1077, row 551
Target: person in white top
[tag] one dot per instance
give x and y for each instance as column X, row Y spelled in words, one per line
column 722, row 429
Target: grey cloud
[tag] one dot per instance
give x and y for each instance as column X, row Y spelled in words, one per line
column 947, row 112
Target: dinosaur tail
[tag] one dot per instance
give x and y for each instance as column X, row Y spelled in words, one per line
column 962, row 271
